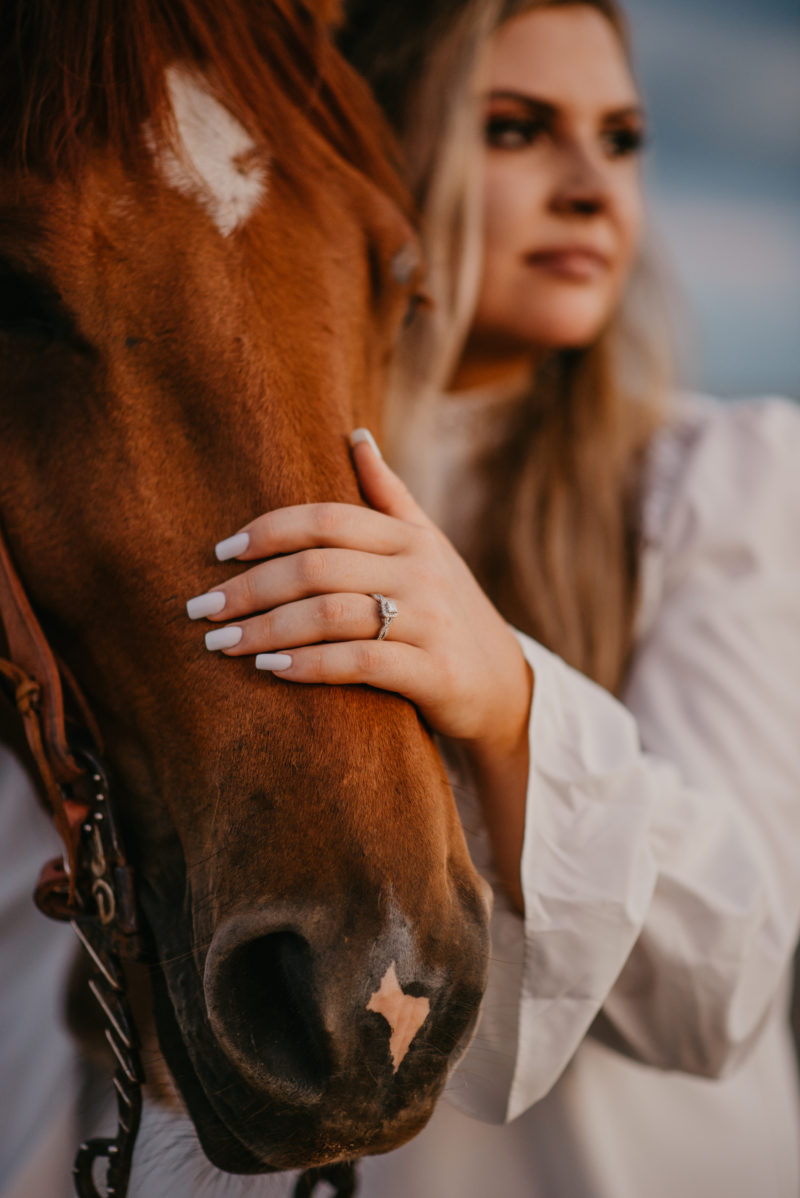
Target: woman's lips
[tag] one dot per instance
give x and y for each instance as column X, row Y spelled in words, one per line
column 576, row 263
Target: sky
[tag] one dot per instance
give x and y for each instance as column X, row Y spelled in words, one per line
column 721, row 82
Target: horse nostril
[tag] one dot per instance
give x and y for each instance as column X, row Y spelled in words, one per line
column 263, row 1011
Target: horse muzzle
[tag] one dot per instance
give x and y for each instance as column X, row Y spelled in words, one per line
column 346, row 1038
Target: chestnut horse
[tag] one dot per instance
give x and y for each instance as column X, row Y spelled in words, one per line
column 204, row 259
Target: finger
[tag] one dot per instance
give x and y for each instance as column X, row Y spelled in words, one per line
column 304, row 526
column 297, row 576
column 340, row 617
column 379, row 485
column 396, row 667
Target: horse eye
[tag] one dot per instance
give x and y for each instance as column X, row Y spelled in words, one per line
column 420, row 299
column 411, row 311
column 29, row 309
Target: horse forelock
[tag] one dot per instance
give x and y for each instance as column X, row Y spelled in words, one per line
column 78, row 76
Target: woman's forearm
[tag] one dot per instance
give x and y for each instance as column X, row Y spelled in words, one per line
column 501, row 775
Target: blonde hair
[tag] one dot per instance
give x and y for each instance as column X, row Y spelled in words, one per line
column 558, row 545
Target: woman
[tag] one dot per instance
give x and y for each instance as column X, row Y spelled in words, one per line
column 642, row 835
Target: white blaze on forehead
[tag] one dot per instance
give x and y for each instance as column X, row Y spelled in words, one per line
column 404, row 1013
column 213, row 160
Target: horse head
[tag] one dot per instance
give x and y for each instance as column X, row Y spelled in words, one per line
column 204, row 259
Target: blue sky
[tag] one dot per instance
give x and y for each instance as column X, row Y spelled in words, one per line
column 721, row 81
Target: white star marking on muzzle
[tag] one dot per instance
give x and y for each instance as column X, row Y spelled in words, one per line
column 213, row 160
column 404, row 1013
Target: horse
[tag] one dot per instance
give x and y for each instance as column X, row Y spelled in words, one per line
column 205, row 257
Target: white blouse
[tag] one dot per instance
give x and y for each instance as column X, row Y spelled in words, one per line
column 633, row 1041
column 635, row 1028
column 39, row 1068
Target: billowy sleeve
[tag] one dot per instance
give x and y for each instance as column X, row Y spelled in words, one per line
column 661, row 858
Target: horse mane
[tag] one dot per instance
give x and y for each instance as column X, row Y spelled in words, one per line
column 81, row 75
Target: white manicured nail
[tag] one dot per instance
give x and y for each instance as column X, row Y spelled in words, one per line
column 209, row 604
column 223, row 638
column 232, row 546
column 273, row 661
column 363, row 434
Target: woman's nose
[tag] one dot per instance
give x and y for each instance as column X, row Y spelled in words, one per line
column 583, row 186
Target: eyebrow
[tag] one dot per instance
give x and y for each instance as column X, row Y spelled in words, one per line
column 543, row 108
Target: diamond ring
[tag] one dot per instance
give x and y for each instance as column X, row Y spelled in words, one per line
column 388, row 611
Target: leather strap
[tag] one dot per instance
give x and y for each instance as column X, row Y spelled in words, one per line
column 34, row 680
column 29, row 651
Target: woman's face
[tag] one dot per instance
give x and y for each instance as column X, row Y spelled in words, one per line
column 563, row 203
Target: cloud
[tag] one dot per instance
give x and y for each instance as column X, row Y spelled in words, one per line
column 730, row 80
column 738, row 261
column 722, row 83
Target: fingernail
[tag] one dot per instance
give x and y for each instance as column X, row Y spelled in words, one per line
column 363, row 434
column 232, row 546
column 273, row 661
column 205, row 605
column 223, row 638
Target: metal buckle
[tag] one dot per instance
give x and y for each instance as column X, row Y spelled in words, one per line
column 105, row 926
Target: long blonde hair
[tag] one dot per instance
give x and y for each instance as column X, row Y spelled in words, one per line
column 558, row 545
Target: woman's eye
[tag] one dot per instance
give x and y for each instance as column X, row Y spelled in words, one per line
column 512, row 133
column 623, row 143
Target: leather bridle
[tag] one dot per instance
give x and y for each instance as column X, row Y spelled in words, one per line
column 92, row 885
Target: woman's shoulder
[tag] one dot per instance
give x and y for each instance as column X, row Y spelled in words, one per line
column 721, row 493
column 721, row 464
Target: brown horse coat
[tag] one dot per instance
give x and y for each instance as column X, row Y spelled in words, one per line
column 198, row 222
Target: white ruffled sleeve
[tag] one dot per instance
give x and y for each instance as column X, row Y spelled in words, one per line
column 661, row 860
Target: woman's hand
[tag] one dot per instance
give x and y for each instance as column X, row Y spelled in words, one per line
column 306, row 608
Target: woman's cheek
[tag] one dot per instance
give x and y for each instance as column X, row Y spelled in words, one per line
column 509, row 208
column 630, row 221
